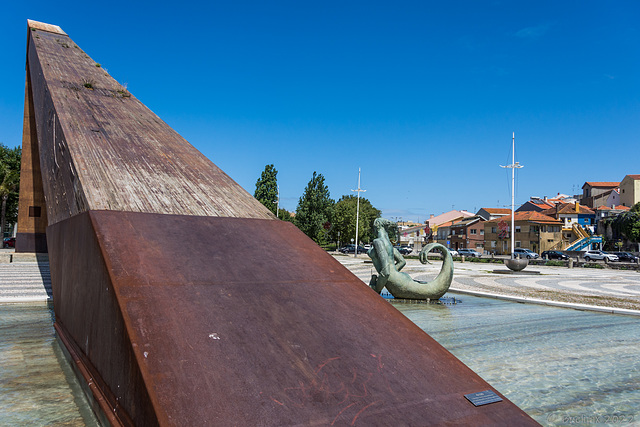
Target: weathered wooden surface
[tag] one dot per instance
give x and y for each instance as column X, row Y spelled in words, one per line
column 32, row 214
column 101, row 148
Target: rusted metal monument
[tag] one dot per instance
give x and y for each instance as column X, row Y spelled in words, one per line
column 268, row 331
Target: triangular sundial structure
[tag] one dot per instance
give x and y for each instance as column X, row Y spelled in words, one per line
column 183, row 301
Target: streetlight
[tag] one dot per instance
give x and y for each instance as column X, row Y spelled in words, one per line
column 359, row 190
column 513, row 166
column 277, row 202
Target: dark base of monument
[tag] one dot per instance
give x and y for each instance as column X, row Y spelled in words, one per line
column 31, row 242
column 440, row 301
column 521, row 272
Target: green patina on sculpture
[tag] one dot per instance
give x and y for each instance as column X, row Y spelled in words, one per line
column 388, row 263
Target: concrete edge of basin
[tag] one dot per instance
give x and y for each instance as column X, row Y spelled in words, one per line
column 575, row 306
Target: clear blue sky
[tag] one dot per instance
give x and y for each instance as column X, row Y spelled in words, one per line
column 422, row 95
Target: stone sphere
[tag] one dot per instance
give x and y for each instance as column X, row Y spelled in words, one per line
column 516, row 264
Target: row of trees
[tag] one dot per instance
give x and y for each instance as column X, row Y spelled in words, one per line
column 9, row 186
column 625, row 227
column 317, row 214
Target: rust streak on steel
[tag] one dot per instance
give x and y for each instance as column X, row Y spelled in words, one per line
column 269, row 330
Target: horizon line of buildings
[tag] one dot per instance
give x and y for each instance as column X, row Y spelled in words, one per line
column 559, row 223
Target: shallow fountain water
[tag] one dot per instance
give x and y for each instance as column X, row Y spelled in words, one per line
column 37, row 386
column 561, row 366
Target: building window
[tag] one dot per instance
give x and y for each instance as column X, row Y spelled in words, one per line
column 494, row 230
column 482, row 232
column 517, row 244
column 517, row 228
column 494, row 243
column 472, row 231
column 35, row 211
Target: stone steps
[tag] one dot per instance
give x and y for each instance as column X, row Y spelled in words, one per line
column 25, row 282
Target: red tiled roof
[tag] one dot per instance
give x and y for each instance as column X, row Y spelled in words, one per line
column 603, row 184
column 634, row 176
column 607, row 208
column 567, row 208
column 446, row 224
column 505, row 211
column 531, row 216
column 542, row 204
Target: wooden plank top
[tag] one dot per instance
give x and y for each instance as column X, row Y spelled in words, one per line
column 45, row 27
column 102, row 149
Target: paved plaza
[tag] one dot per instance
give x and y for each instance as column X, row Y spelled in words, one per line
column 25, row 281
column 29, row 280
column 576, row 287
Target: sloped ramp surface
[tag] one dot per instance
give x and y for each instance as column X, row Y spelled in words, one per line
column 268, row 331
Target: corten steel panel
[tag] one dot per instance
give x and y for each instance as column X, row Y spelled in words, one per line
column 248, row 322
column 90, row 322
column 101, row 148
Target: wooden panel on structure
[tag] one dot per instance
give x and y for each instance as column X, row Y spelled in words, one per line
column 32, row 213
column 103, row 149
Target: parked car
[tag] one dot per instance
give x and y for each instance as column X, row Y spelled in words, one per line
column 599, row 255
column 625, row 256
column 525, row 253
column 554, row 255
column 404, row 250
column 453, row 252
column 9, row 242
column 351, row 248
column 468, row 252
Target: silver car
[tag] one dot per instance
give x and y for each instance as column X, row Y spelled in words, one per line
column 469, row 252
column 599, row 255
column 525, row 253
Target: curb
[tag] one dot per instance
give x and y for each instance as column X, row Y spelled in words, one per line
column 575, row 306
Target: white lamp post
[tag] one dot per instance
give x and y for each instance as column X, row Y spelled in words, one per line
column 359, row 190
column 513, row 166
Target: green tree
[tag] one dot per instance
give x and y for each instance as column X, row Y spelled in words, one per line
column 267, row 188
column 627, row 224
column 285, row 215
column 344, row 219
column 314, row 211
column 9, row 185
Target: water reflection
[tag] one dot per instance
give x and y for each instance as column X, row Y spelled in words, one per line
column 561, row 366
column 37, row 385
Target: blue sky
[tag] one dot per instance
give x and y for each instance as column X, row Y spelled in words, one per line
column 423, row 96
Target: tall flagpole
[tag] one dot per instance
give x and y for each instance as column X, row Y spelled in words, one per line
column 278, row 202
column 359, row 190
column 513, row 166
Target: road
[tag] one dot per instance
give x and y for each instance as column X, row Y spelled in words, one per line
column 576, row 286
